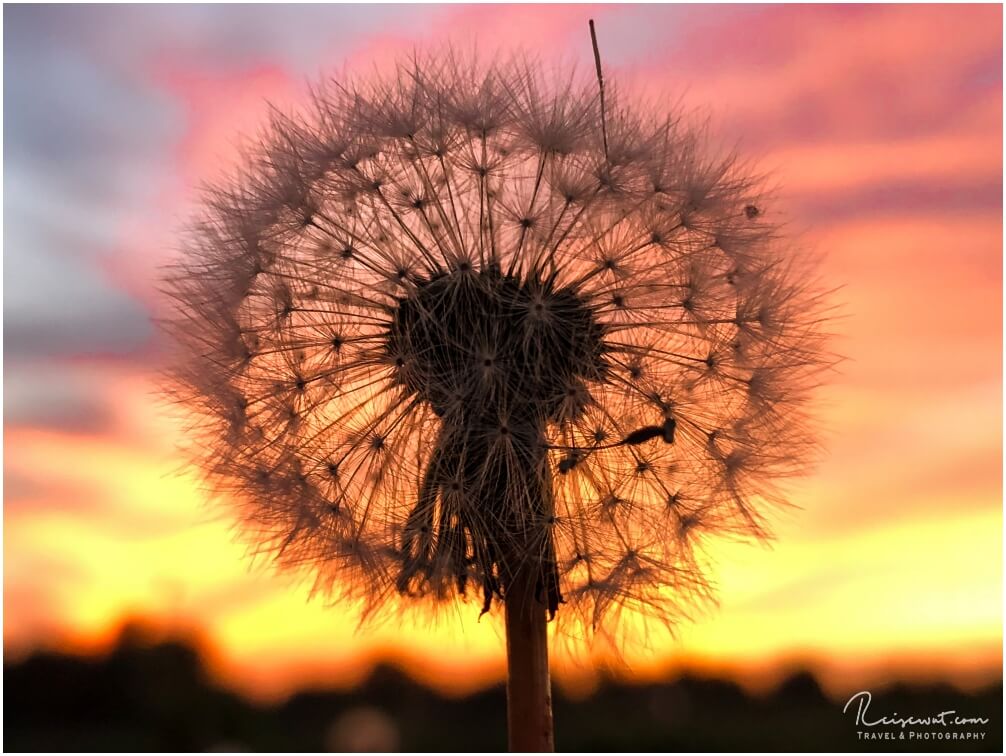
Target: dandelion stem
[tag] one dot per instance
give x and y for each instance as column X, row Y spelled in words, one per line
column 529, row 688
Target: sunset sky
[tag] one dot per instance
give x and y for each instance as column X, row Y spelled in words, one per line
column 882, row 127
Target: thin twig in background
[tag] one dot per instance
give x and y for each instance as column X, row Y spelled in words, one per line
column 600, row 85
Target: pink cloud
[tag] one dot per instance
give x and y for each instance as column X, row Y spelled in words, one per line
column 788, row 72
column 220, row 108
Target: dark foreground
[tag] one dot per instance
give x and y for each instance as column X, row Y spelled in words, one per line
column 155, row 697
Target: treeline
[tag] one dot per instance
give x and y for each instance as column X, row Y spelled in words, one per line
column 146, row 696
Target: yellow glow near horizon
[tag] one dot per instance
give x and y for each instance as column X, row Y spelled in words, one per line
column 141, row 543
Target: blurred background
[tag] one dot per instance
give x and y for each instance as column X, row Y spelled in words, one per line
column 132, row 619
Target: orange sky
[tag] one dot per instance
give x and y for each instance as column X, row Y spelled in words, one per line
column 883, row 126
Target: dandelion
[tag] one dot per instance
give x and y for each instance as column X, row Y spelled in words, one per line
column 464, row 332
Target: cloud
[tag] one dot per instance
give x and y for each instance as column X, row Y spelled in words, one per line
column 948, row 195
column 59, row 305
column 781, row 75
column 210, row 37
column 84, row 151
column 56, row 397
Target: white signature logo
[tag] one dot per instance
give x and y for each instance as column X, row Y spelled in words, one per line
column 948, row 718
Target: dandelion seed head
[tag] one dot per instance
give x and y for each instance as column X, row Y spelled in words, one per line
column 434, row 335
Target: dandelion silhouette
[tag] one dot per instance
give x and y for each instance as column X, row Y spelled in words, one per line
column 464, row 332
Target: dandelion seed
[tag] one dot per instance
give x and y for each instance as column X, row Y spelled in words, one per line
column 455, row 332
